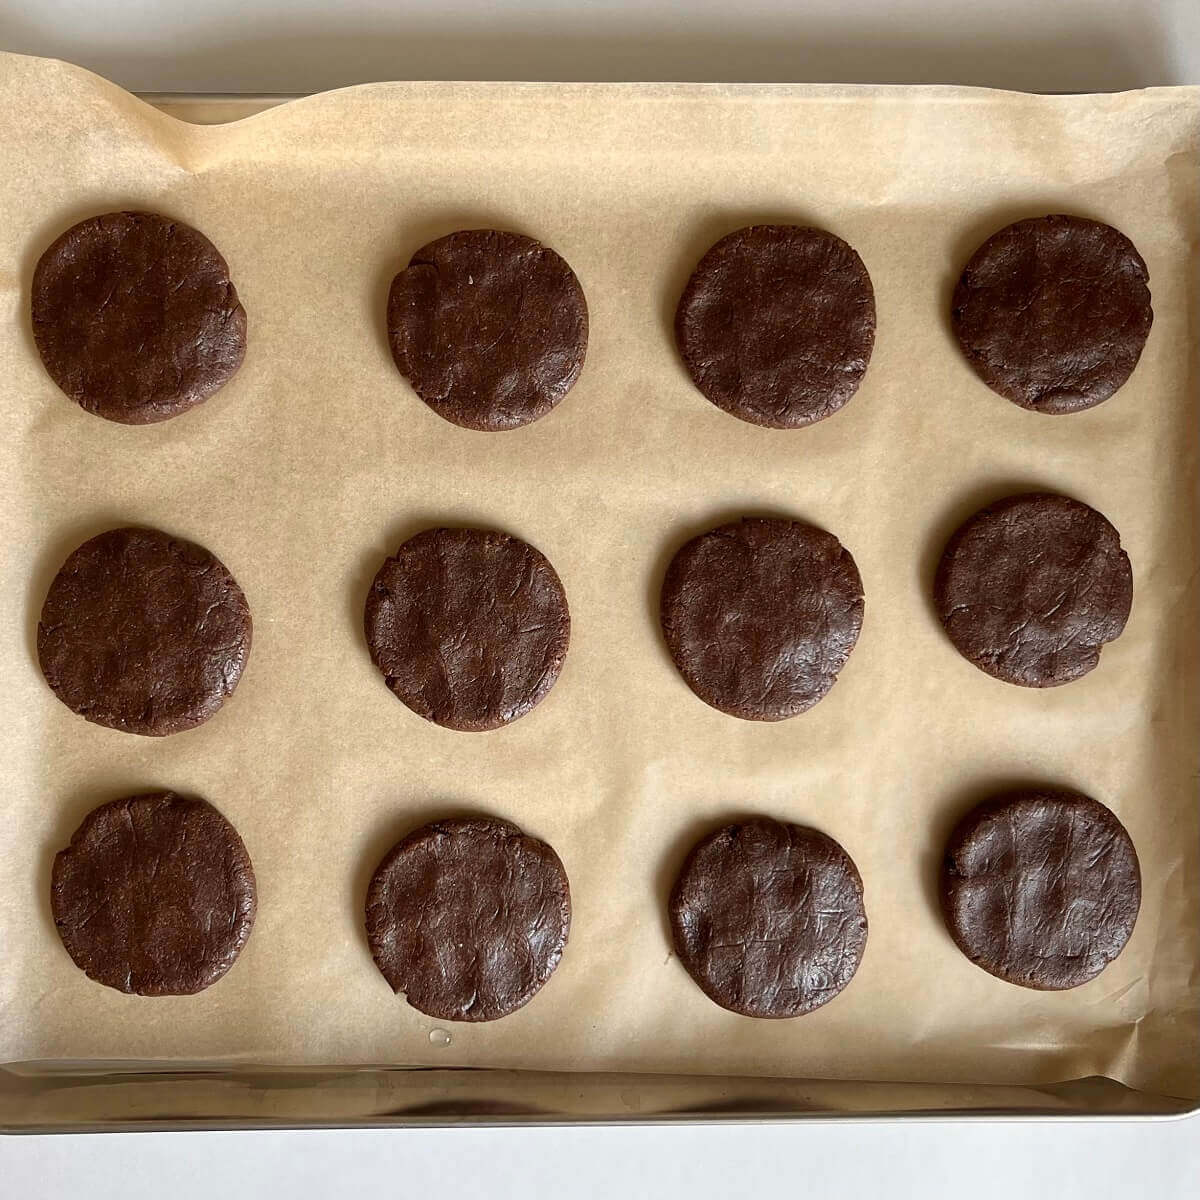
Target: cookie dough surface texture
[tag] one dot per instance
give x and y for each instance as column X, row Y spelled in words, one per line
column 761, row 615
column 1053, row 312
column 155, row 895
column 468, row 918
column 1041, row 887
column 143, row 632
column 777, row 324
column 469, row 627
column 135, row 317
column 768, row 918
column 1031, row 588
column 490, row 328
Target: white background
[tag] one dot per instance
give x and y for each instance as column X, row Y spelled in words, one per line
column 309, row 45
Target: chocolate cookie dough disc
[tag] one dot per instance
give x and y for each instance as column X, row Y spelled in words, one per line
column 760, row 616
column 469, row 627
column 1041, row 888
column 468, row 918
column 135, row 317
column 777, row 324
column 768, row 918
column 143, row 632
column 1053, row 312
column 490, row 328
column 1032, row 587
column 155, row 895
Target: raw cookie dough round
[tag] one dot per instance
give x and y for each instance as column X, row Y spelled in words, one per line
column 155, row 895
column 768, row 918
column 135, row 317
column 469, row 627
column 1053, row 312
column 761, row 614
column 777, row 324
column 1041, row 888
column 468, row 918
column 1032, row 587
column 143, row 632
column 490, row 328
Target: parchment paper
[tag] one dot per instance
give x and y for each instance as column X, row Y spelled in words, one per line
column 317, row 460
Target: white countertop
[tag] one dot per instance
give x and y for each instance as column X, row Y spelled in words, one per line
column 309, row 45
column 877, row 1161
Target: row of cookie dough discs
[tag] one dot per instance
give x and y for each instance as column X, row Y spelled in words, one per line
column 777, row 324
column 136, row 319
column 155, row 896
column 469, row 918
column 1039, row 888
column 761, row 615
column 470, row 627
column 149, row 634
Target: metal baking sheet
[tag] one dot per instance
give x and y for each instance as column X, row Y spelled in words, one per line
column 124, row 1092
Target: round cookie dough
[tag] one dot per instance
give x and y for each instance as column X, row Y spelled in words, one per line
column 777, row 324
column 143, row 632
column 1041, row 888
column 154, row 896
column 1032, row 587
column 490, row 328
column 1053, row 312
column 761, row 614
column 135, row 317
column 768, row 918
column 468, row 918
column 469, row 627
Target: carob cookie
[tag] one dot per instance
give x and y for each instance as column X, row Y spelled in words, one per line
column 1032, row 587
column 777, row 324
column 135, row 317
column 143, row 632
column 469, row 627
column 490, row 328
column 468, row 918
column 1053, row 312
column 155, row 895
column 760, row 616
column 1041, row 888
column 768, row 918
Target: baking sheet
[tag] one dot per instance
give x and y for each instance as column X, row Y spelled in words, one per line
column 318, row 460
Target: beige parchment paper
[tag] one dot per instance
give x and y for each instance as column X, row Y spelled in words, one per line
column 317, row 460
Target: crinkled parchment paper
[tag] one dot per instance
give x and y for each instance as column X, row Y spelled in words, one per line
column 317, row 460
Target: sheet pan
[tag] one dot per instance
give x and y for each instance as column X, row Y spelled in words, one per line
column 317, row 460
